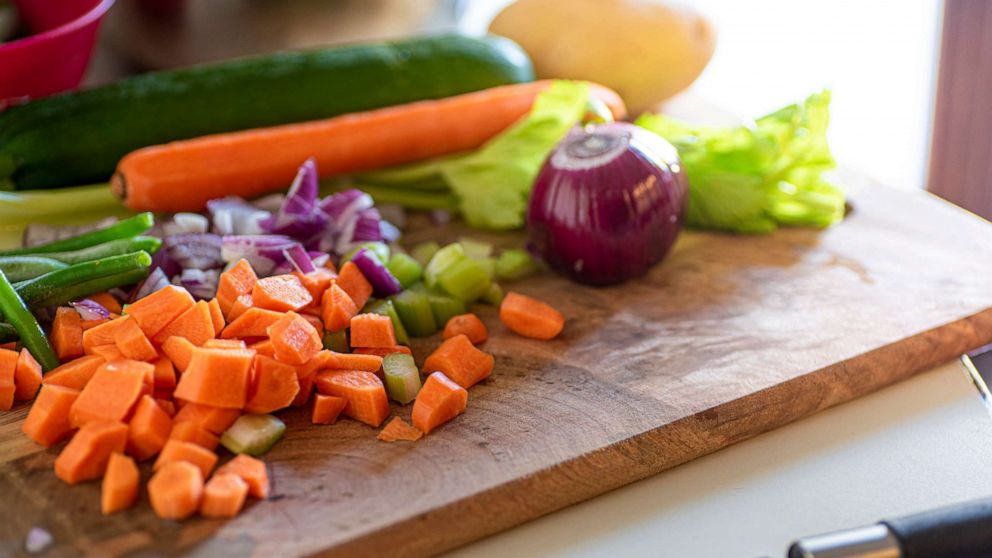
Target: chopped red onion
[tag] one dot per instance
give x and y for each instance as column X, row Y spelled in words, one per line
column 156, row 281
column 319, row 259
column 299, row 216
column 195, row 251
column 300, row 260
column 233, row 215
column 89, row 309
column 38, row 540
column 201, row 284
column 388, row 232
column 263, row 252
column 367, row 226
column 383, row 282
column 187, row 223
column 270, row 203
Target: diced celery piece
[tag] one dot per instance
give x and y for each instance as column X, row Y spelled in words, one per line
column 442, row 260
column 386, row 308
column 424, row 251
column 465, row 280
column 476, row 249
column 378, row 248
column 402, row 377
column 336, row 341
column 405, row 269
column 253, row 434
column 515, row 264
column 415, row 312
column 444, row 308
column 493, row 295
column 489, row 265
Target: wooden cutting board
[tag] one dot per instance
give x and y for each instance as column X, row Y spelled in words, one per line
column 729, row 337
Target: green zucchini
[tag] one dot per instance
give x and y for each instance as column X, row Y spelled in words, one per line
column 78, row 138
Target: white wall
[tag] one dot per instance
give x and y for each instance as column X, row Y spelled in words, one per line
column 877, row 56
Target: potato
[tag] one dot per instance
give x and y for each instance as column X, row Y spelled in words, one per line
column 646, row 50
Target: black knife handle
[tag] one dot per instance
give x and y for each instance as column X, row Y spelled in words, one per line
column 956, row 531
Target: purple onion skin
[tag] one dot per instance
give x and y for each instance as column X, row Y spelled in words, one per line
column 608, row 204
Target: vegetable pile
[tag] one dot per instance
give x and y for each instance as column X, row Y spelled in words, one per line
column 169, row 379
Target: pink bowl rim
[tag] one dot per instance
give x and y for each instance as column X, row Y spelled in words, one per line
column 87, row 18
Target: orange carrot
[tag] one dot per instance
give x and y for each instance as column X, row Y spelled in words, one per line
column 109, row 353
column 466, row 324
column 213, row 419
column 216, row 316
column 184, row 175
column 317, row 281
column 8, row 371
column 231, row 344
column 90, row 324
column 439, row 401
column 179, row 350
column 274, row 386
column 86, row 455
column 241, row 304
column 315, row 321
column 355, row 284
column 177, row 450
column 74, row 374
column 530, row 317
column 148, row 430
column 264, row 348
column 294, row 339
column 195, row 324
column 175, row 490
column 48, row 419
column 252, row 471
column 165, row 374
column 372, row 330
column 223, row 496
column 367, row 400
column 304, row 377
column 238, row 280
column 106, row 300
column 27, row 376
column 132, row 342
column 216, row 377
column 67, row 333
column 337, row 308
column 326, row 408
column 380, row 351
column 103, row 334
column 156, row 310
column 111, row 393
column 398, row 430
column 253, row 322
column 188, row 431
column 330, row 360
column 166, row 405
column 461, row 361
column 120, row 484
column 281, row 293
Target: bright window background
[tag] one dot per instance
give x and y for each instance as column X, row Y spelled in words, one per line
column 877, row 56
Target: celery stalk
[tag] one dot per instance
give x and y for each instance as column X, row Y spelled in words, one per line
column 336, row 341
column 493, row 295
column 253, row 434
column 405, row 269
column 424, row 251
column 444, row 308
column 414, row 310
column 442, row 260
column 402, row 377
column 515, row 264
column 465, row 279
column 476, row 249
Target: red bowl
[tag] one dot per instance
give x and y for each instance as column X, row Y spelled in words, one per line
column 54, row 59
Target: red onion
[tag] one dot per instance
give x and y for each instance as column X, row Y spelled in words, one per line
column 90, row 309
column 608, row 203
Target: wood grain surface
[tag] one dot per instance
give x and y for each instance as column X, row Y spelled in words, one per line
column 728, row 338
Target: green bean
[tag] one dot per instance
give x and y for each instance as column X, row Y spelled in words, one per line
column 148, row 244
column 53, row 285
column 86, row 288
column 33, row 337
column 122, row 229
column 20, row 268
column 7, row 333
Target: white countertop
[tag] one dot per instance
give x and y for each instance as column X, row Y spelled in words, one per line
column 913, row 446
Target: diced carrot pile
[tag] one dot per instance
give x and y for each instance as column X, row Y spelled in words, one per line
column 164, row 378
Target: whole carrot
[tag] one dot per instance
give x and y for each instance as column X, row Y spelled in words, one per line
column 184, row 175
